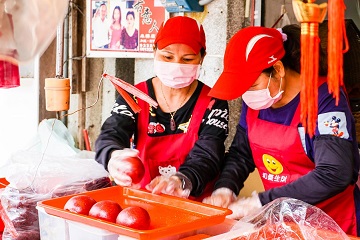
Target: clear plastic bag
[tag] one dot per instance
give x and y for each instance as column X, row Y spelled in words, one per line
column 285, row 219
column 29, row 26
column 35, row 175
column 54, row 138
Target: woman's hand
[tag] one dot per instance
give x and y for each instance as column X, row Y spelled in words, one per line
column 245, row 206
column 221, row 197
column 118, row 168
column 174, row 185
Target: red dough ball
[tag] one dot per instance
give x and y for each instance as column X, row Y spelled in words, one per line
column 134, row 167
column 134, row 217
column 80, row 204
column 105, row 210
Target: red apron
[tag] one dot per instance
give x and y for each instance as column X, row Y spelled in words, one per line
column 162, row 151
column 280, row 158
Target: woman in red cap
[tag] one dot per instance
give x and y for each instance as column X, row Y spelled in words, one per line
column 262, row 65
column 181, row 143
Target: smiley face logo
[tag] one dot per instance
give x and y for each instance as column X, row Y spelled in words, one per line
column 272, row 165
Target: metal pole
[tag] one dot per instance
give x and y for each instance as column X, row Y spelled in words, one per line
column 59, row 50
column 60, row 58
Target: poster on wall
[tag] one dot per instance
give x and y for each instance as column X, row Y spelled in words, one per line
column 123, row 28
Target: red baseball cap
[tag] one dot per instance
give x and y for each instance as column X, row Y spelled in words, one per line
column 181, row 29
column 250, row 51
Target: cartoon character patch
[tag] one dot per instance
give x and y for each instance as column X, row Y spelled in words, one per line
column 155, row 128
column 272, row 165
column 167, row 171
column 333, row 123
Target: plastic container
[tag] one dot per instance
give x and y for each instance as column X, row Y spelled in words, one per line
column 57, row 228
column 169, row 215
column 57, row 94
column 82, row 231
column 52, row 227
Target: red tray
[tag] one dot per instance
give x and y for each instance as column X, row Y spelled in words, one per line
column 169, row 215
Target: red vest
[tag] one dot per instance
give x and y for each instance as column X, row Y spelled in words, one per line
column 162, row 151
column 280, row 158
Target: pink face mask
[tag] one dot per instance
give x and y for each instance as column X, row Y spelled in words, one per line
column 176, row 75
column 261, row 99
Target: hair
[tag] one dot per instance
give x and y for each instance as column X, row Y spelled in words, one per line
column 118, row 8
column 130, row 13
column 292, row 46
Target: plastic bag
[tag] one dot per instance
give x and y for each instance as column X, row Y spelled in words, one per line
column 53, row 138
column 37, row 175
column 285, row 219
column 29, row 26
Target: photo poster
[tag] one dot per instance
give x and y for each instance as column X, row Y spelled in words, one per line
column 123, row 28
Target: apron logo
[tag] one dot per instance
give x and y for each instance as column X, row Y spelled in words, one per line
column 274, row 173
column 272, row 165
column 167, row 171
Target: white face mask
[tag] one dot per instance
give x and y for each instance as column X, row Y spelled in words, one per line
column 176, row 75
column 261, row 99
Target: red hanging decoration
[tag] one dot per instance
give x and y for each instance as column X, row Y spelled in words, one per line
column 336, row 40
column 125, row 88
column 309, row 15
column 133, row 105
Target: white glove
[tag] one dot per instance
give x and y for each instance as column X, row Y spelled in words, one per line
column 177, row 185
column 221, row 197
column 118, row 169
column 245, row 206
